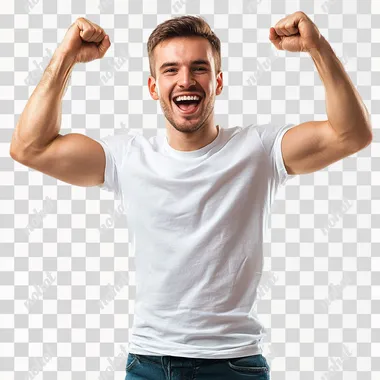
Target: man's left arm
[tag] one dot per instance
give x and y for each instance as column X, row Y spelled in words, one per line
column 313, row 145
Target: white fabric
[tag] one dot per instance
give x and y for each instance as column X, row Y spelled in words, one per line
column 197, row 221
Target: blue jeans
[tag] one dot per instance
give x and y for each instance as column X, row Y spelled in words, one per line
column 150, row 367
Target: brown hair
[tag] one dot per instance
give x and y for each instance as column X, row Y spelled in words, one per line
column 183, row 26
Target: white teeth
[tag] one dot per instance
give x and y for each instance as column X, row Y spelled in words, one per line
column 180, row 98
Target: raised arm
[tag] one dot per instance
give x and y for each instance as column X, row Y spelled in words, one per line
column 313, row 145
column 73, row 158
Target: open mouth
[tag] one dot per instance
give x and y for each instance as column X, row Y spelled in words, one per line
column 188, row 107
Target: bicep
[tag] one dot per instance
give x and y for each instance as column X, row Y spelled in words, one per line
column 311, row 146
column 73, row 158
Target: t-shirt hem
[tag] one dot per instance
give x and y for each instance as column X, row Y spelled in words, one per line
column 109, row 158
column 284, row 176
column 200, row 354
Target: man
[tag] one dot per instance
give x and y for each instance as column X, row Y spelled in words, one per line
column 198, row 198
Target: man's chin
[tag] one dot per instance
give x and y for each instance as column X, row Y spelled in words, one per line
column 190, row 126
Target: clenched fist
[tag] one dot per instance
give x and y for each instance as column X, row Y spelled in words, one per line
column 296, row 33
column 84, row 41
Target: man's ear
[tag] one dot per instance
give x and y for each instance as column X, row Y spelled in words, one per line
column 153, row 88
column 219, row 83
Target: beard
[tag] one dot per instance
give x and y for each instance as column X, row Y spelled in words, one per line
column 180, row 123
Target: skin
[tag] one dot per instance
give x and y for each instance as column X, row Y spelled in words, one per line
column 186, row 132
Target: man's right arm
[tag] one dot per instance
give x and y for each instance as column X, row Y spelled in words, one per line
column 73, row 158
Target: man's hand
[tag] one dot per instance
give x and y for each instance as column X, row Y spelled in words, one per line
column 84, row 41
column 296, row 32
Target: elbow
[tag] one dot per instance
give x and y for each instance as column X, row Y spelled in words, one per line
column 16, row 157
column 15, row 148
column 354, row 144
column 361, row 142
column 13, row 154
column 17, row 154
column 368, row 139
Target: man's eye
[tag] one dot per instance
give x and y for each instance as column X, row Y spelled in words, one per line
column 198, row 68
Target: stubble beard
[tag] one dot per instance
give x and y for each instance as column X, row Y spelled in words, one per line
column 188, row 126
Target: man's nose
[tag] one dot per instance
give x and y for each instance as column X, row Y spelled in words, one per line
column 186, row 79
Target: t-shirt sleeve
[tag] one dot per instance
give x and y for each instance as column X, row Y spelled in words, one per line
column 116, row 148
column 271, row 137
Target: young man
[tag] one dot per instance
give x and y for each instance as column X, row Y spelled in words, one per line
column 198, row 198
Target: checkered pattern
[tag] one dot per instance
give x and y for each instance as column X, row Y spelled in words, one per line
column 67, row 279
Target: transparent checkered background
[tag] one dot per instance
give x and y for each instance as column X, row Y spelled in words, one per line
column 324, row 227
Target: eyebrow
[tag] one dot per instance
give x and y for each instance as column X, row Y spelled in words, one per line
column 196, row 62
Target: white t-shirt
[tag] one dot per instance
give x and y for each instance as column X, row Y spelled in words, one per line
column 197, row 221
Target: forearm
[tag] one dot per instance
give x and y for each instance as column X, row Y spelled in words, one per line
column 345, row 109
column 40, row 121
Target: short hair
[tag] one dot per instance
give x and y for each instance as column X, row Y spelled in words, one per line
column 183, row 26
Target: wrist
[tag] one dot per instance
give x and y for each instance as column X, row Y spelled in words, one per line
column 322, row 48
column 61, row 65
column 57, row 74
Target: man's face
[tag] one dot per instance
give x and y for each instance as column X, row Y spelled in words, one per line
column 186, row 77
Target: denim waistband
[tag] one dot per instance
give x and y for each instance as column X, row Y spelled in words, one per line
column 177, row 360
